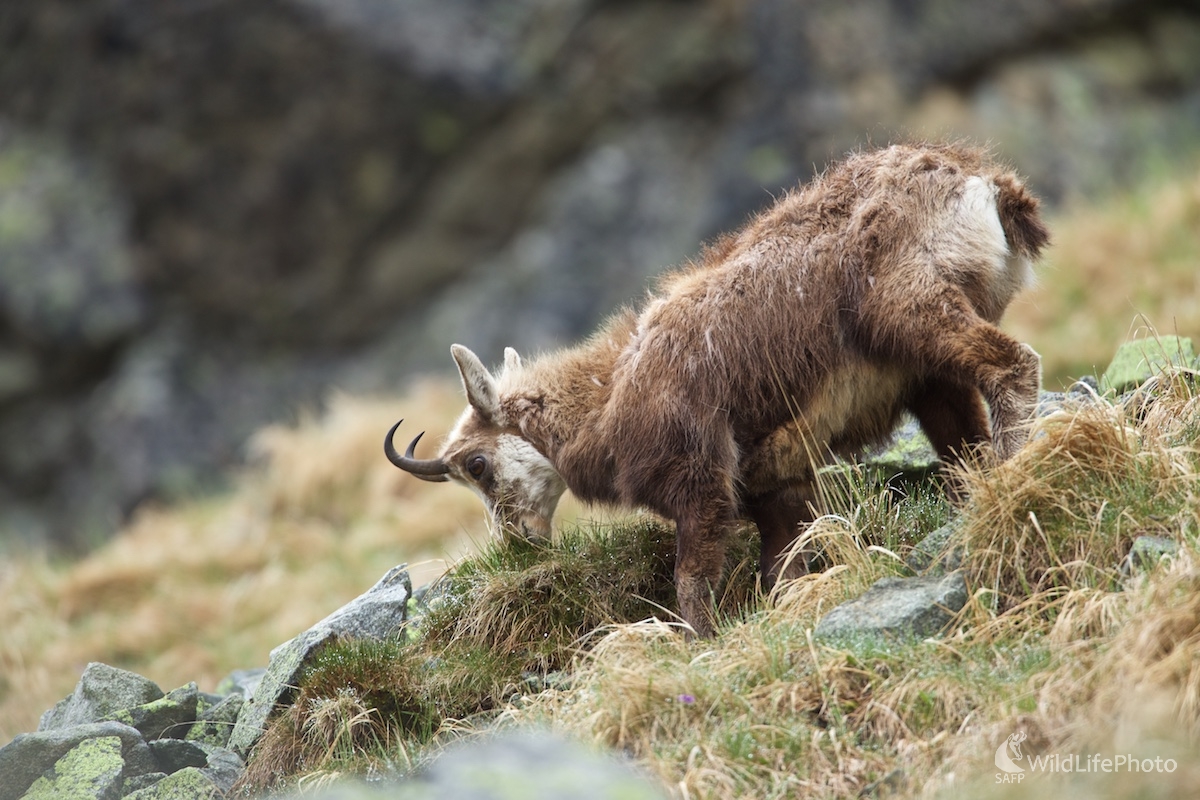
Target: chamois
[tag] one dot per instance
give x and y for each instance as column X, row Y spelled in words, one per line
column 873, row 289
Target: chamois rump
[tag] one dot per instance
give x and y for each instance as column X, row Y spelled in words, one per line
column 873, row 289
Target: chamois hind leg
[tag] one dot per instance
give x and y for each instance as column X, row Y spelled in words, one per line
column 938, row 334
column 779, row 516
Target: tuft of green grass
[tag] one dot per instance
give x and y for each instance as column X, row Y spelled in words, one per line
column 498, row 624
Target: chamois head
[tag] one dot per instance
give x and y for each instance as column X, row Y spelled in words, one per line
column 487, row 453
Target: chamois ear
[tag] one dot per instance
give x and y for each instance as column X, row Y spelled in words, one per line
column 512, row 361
column 478, row 383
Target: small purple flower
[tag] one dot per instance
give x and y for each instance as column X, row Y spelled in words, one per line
column 686, row 699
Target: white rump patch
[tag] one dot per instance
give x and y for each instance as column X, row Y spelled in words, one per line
column 979, row 221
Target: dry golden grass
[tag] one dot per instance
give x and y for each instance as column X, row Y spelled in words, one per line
column 192, row 592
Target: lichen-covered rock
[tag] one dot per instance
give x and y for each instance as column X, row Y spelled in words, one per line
column 215, row 724
column 189, row 783
column 1146, row 552
column 220, row 766
column 91, row 770
column 905, row 607
column 223, row 766
column 241, row 681
column 1137, row 361
column 171, row 715
column 137, row 782
column 173, row 755
column 101, row 694
column 378, row 613
column 30, row 754
column 907, row 453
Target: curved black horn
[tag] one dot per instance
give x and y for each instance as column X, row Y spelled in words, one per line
column 433, row 469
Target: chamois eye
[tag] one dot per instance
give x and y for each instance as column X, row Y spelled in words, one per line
column 476, row 466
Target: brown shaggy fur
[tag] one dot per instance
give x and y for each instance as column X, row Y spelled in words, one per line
column 873, row 289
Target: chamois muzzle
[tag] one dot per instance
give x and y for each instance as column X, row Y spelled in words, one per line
column 432, row 469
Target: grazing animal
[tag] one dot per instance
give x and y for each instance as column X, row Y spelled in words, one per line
column 873, row 289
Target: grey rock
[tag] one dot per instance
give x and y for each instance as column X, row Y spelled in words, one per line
column 1146, row 552
column 906, row 607
column 29, row 755
column 1088, row 385
column 91, row 770
column 65, row 260
column 907, row 453
column 207, row 700
column 241, row 681
column 173, row 755
column 138, row 782
column 938, row 551
column 102, row 692
column 533, row 765
column 379, row 613
column 215, row 724
column 223, row 767
column 1141, row 359
column 169, row 716
column 530, row 765
column 189, row 783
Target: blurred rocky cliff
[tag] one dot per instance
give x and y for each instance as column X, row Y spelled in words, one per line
column 212, row 212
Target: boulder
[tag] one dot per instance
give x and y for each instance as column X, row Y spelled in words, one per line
column 91, row 770
column 379, row 613
column 189, row 783
column 75, row 746
column 214, row 725
column 1137, row 361
column 939, row 552
column 907, row 453
column 531, row 765
column 29, row 755
column 101, row 694
column 173, row 755
column 171, row 715
column 902, row 607
column 242, row 682
column 1146, row 552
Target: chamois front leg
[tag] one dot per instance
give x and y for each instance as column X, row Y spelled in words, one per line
column 699, row 561
column 941, row 336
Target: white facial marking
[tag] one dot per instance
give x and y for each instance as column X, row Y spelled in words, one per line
column 527, row 487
